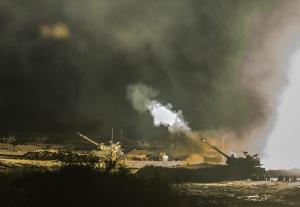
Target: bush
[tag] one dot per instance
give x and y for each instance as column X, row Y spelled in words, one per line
column 83, row 186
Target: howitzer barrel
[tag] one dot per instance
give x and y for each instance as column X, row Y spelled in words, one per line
column 222, row 153
column 215, row 148
column 88, row 139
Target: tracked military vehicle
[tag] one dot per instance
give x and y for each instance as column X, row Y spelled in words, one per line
column 235, row 168
column 247, row 161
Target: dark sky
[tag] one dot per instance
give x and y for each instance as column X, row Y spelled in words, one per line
column 65, row 65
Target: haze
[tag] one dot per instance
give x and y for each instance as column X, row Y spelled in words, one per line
column 283, row 146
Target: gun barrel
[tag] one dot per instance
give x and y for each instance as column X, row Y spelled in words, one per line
column 215, row 148
column 222, row 153
column 88, row 139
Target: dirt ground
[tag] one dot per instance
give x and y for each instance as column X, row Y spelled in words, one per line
column 243, row 193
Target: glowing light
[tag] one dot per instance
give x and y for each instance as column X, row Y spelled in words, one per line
column 56, row 31
column 283, row 147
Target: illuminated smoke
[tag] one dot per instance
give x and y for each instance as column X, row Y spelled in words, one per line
column 142, row 99
column 163, row 115
column 139, row 95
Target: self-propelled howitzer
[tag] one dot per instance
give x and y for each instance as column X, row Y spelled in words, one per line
column 247, row 161
column 236, row 168
column 113, row 152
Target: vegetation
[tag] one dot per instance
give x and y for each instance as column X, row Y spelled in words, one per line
column 83, row 186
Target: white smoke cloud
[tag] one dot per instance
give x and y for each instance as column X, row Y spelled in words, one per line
column 139, row 95
column 142, row 99
column 163, row 115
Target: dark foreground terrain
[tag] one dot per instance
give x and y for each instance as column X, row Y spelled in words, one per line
column 82, row 186
column 86, row 186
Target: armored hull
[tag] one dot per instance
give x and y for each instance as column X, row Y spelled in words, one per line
column 214, row 173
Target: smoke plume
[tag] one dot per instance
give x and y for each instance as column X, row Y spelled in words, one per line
column 141, row 97
column 189, row 141
column 164, row 115
column 68, row 65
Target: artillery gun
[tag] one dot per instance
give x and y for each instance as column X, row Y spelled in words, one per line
column 111, row 154
column 247, row 161
column 236, row 168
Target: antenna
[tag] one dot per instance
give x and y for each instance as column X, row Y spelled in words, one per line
column 121, row 133
column 112, row 135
